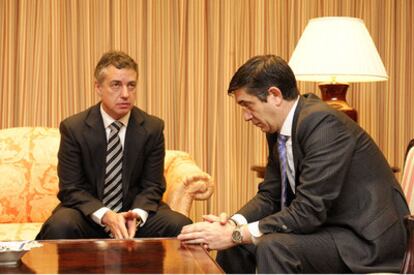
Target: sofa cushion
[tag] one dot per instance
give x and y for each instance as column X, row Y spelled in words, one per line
column 19, row 231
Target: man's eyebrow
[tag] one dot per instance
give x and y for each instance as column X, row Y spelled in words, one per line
column 243, row 102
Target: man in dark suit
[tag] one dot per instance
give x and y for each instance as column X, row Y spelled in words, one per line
column 329, row 202
column 111, row 164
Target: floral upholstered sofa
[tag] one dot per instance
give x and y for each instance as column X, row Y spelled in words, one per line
column 29, row 183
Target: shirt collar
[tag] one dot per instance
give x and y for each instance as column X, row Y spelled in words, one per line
column 286, row 129
column 107, row 119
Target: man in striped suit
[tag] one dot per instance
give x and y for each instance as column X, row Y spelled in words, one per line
column 111, row 164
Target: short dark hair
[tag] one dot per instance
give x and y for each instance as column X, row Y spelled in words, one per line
column 118, row 59
column 260, row 73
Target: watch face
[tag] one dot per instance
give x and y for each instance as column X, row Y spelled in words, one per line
column 237, row 236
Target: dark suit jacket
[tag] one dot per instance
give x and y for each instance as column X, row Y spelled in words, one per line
column 81, row 165
column 343, row 184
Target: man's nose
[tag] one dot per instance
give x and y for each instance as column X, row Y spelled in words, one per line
column 247, row 115
column 124, row 91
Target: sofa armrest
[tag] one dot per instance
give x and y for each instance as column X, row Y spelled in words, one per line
column 185, row 182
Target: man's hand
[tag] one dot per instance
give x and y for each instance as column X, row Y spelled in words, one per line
column 133, row 220
column 222, row 219
column 212, row 233
column 122, row 225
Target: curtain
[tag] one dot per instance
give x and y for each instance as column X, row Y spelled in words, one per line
column 187, row 51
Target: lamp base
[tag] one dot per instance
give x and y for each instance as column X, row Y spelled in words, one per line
column 335, row 96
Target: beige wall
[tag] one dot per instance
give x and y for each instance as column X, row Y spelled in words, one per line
column 187, row 51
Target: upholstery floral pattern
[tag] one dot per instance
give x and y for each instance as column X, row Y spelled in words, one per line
column 29, row 183
column 28, row 180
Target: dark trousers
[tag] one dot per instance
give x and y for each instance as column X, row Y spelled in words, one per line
column 285, row 253
column 69, row 223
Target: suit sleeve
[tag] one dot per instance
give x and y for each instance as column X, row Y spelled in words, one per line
column 327, row 148
column 267, row 199
column 74, row 189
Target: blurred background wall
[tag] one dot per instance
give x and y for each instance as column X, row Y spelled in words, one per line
column 187, row 51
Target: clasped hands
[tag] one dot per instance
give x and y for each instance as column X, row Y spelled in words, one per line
column 214, row 232
column 122, row 225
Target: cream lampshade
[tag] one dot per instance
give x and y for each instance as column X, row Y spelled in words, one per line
column 335, row 51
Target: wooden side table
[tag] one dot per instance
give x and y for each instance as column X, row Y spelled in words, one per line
column 260, row 170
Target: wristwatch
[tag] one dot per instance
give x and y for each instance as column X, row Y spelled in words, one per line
column 237, row 235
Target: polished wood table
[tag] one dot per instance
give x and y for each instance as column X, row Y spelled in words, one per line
column 154, row 256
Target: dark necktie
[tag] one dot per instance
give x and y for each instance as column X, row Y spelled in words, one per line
column 281, row 146
column 112, row 196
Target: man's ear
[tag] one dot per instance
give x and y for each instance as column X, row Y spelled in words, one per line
column 98, row 88
column 275, row 95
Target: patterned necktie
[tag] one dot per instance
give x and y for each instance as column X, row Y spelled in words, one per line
column 281, row 146
column 112, row 196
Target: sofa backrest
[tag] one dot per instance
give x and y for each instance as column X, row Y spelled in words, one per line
column 28, row 178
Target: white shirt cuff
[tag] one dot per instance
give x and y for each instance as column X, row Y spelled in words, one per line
column 239, row 219
column 254, row 229
column 142, row 213
column 98, row 214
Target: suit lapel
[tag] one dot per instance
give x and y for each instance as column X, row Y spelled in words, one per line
column 272, row 141
column 297, row 152
column 304, row 101
column 95, row 137
column 135, row 138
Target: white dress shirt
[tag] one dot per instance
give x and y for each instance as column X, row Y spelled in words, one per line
column 108, row 120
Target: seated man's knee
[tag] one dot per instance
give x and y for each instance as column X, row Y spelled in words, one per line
column 275, row 253
column 176, row 223
column 270, row 242
column 237, row 260
column 63, row 224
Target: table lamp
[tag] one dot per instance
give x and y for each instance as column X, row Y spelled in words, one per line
column 335, row 51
